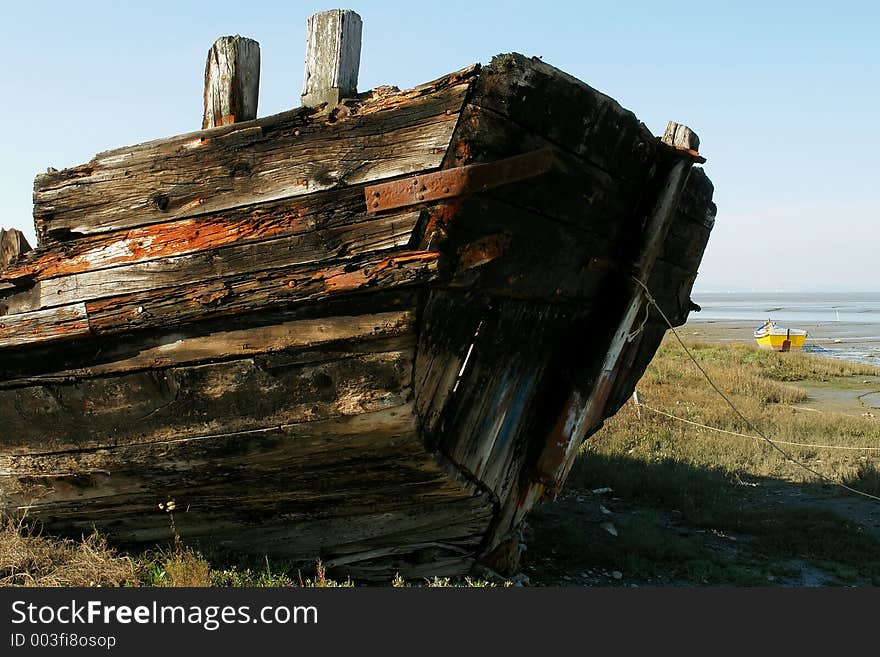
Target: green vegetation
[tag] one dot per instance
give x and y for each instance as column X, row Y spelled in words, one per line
column 767, row 387
column 696, row 506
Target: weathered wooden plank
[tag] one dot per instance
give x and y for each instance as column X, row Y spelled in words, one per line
column 445, row 343
column 210, row 399
column 235, row 295
column 15, row 300
column 45, row 362
column 249, row 294
column 301, row 452
column 696, row 199
column 266, row 491
column 318, row 211
column 578, row 193
column 587, row 404
column 495, row 247
column 63, row 323
column 263, row 160
column 686, row 243
column 306, row 248
column 333, row 57
column 513, row 369
column 12, row 245
column 304, row 334
column 568, row 112
column 232, row 81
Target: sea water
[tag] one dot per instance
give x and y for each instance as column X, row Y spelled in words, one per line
column 841, row 325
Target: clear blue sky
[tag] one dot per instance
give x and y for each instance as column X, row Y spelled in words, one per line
column 784, row 95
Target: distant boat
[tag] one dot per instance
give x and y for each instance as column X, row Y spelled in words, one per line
column 772, row 336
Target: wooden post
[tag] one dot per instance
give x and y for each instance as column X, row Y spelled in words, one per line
column 681, row 137
column 12, row 245
column 333, row 57
column 232, row 81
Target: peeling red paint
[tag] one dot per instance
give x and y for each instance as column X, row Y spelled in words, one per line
column 557, row 441
column 44, row 326
column 344, row 280
column 174, row 238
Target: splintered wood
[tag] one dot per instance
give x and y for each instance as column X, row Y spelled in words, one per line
column 233, row 320
column 12, row 245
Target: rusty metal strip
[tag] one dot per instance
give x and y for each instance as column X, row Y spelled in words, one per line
column 457, row 181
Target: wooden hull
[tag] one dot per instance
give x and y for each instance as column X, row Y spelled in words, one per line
column 306, row 377
column 773, row 337
column 782, row 342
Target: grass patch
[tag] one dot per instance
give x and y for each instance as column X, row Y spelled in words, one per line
column 28, row 558
column 717, row 484
column 763, row 385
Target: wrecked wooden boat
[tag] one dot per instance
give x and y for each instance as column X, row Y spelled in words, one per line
column 374, row 333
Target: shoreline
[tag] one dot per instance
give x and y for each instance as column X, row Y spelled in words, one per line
column 853, row 341
column 848, row 341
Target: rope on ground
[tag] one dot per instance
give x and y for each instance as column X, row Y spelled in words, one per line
column 788, row 457
column 745, row 435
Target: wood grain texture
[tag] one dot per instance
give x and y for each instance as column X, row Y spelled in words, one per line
column 681, row 137
column 232, row 81
column 66, row 323
column 322, row 210
column 251, row 294
column 389, row 497
column 386, row 134
column 208, row 399
column 200, row 301
column 351, row 334
column 349, row 240
column 12, row 245
column 333, row 57
column 50, row 361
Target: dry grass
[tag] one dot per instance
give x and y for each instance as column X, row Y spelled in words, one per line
column 686, row 486
column 182, row 568
column 29, row 559
column 764, row 386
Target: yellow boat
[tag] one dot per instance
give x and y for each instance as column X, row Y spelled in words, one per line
column 772, row 336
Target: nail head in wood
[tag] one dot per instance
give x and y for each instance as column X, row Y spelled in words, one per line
column 333, row 57
column 232, row 81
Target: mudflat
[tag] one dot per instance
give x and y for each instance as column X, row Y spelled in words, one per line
column 857, row 341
